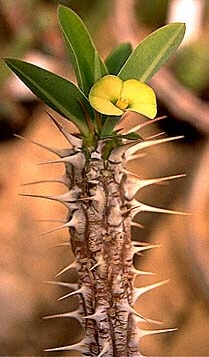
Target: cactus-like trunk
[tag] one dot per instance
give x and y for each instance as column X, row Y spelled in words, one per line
column 99, row 221
column 101, row 204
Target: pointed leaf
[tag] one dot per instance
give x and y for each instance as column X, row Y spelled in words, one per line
column 61, row 95
column 118, row 57
column 87, row 64
column 153, row 52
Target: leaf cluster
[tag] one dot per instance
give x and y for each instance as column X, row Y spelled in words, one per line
column 71, row 101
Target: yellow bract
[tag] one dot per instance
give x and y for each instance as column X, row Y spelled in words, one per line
column 112, row 96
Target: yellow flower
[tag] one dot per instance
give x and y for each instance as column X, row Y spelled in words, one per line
column 112, row 96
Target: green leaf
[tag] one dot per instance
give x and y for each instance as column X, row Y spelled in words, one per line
column 131, row 136
column 118, row 57
column 153, row 52
column 61, row 95
column 85, row 59
column 109, row 124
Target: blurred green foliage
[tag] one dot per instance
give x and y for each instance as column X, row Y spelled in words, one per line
column 191, row 66
column 152, row 13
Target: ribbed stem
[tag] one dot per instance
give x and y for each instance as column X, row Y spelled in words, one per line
column 99, row 221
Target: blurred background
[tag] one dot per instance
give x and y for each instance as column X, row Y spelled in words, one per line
column 29, row 30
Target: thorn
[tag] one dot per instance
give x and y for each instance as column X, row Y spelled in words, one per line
column 86, row 199
column 72, row 314
column 63, row 244
column 137, row 225
column 98, row 263
column 131, row 174
column 64, row 180
column 136, row 250
column 68, row 197
column 73, row 140
column 59, row 198
column 140, row 126
column 73, row 265
column 60, row 283
column 105, row 348
column 131, row 310
column 141, row 272
column 143, row 333
column 145, row 208
column 53, row 230
column 134, row 184
column 98, row 315
column 142, row 290
column 71, row 223
column 77, row 160
column 116, row 153
column 137, row 243
column 75, row 292
column 150, row 321
column 74, row 347
column 146, row 144
column 48, row 148
column 135, row 157
column 154, row 136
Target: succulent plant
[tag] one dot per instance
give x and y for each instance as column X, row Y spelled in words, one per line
column 101, row 192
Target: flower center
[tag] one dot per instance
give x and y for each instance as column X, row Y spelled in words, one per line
column 122, row 103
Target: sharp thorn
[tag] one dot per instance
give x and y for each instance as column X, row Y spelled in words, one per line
column 73, row 140
column 131, row 310
column 73, row 265
column 143, row 333
column 98, row 263
column 67, row 244
column 148, row 122
column 105, row 349
column 142, row 290
column 55, row 229
column 60, row 283
column 74, row 347
column 73, row 314
column 76, row 292
column 154, row 136
column 76, row 160
column 137, row 225
column 48, row 148
column 146, row 144
column 97, row 316
column 137, row 243
column 121, row 150
column 91, row 198
column 135, row 157
column 151, row 321
column 136, row 250
column 127, row 172
column 141, row 272
column 66, row 198
column 62, row 180
column 145, row 208
column 135, row 183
